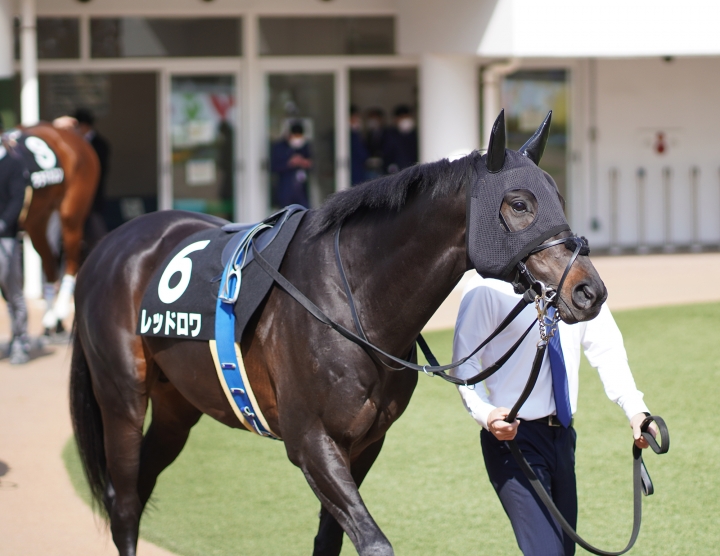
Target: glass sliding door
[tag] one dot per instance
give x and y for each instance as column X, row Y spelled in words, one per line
column 301, row 102
column 202, row 137
column 527, row 95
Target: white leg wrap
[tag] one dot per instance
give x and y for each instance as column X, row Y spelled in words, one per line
column 49, row 318
column 62, row 304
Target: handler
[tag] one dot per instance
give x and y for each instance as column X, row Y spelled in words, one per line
column 12, row 196
column 544, row 427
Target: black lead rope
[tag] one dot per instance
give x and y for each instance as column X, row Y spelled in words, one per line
column 641, row 485
column 641, row 478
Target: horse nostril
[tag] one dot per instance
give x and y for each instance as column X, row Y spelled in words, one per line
column 584, row 296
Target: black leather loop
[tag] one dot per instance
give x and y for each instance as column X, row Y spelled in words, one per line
column 641, row 485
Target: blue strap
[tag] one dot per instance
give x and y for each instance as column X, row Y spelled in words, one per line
column 225, row 343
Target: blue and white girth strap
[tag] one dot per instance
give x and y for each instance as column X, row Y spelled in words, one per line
column 227, row 354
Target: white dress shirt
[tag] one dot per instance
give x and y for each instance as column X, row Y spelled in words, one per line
column 485, row 303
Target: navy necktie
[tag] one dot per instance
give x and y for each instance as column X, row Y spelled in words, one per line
column 559, row 377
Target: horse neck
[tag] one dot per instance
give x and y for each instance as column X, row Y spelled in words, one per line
column 401, row 266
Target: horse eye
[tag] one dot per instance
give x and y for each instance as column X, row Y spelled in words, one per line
column 519, row 206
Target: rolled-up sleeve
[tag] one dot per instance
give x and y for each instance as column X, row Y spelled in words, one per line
column 605, row 350
column 469, row 329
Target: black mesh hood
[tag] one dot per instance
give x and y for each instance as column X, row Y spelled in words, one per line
column 493, row 250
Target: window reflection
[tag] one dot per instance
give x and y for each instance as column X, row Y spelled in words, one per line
column 57, row 38
column 326, row 36
column 527, row 96
column 132, row 37
column 202, row 132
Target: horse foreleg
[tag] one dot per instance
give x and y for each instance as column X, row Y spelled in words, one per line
column 72, row 222
column 35, row 225
column 73, row 219
column 328, row 541
column 172, row 418
column 326, row 467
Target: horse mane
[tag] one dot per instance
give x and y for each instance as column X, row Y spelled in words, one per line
column 442, row 178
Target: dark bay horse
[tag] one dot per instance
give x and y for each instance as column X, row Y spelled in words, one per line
column 73, row 200
column 404, row 249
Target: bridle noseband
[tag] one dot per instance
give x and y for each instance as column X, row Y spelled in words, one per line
column 525, row 280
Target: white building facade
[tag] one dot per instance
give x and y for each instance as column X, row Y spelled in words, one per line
column 633, row 86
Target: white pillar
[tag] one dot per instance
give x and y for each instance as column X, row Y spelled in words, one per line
column 29, row 96
column 254, row 199
column 492, row 80
column 6, row 40
column 342, row 129
column 449, row 107
column 29, row 114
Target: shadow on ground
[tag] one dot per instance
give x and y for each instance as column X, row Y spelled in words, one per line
column 39, row 347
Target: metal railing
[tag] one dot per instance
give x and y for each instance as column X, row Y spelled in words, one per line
column 670, row 178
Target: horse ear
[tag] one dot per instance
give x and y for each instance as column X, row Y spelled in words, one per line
column 535, row 146
column 496, row 147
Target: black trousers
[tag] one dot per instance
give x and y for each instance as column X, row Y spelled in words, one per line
column 551, row 453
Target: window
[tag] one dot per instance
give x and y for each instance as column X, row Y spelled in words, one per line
column 57, row 38
column 326, row 36
column 135, row 37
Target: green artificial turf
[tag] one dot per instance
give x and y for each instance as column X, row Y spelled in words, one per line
column 232, row 493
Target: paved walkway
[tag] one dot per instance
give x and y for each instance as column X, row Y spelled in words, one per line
column 40, row 514
column 632, row 282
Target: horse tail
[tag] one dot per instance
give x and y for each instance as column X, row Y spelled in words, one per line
column 87, row 424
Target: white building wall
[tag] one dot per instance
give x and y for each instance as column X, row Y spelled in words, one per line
column 635, row 99
column 559, row 28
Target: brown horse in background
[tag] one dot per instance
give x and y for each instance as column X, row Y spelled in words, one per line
column 73, row 200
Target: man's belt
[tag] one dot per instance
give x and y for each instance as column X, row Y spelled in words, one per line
column 550, row 421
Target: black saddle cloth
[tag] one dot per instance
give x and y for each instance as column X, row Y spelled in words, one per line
column 191, row 314
column 42, row 166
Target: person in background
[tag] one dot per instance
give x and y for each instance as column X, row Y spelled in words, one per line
column 375, row 141
column 358, row 151
column 12, row 196
column 544, row 426
column 291, row 160
column 401, row 143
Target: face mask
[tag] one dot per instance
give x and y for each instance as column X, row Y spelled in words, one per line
column 373, row 124
column 406, row 125
column 356, row 126
column 297, row 142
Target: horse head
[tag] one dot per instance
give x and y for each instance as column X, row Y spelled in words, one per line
column 514, row 211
